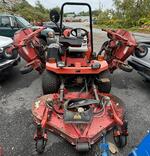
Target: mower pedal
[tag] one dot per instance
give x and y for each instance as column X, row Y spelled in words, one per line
column 83, row 147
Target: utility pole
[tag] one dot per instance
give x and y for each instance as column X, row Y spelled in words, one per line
column 99, row 5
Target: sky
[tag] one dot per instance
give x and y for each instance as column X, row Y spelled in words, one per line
column 106, row 4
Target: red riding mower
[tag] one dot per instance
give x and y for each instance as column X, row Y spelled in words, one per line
column 77, row 104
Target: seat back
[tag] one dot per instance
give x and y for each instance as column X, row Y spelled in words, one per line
column 78, row 49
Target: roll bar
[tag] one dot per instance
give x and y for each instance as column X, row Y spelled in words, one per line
column 90, row 14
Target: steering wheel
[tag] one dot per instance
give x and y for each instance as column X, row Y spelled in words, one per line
column 79, row 32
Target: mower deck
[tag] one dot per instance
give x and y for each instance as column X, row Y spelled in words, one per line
column 80, row 133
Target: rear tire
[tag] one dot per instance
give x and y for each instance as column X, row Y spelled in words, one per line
column 104, row 82
column 50, row 82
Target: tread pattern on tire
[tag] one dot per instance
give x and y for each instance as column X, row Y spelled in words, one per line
column 50, row 82
column 104, row 87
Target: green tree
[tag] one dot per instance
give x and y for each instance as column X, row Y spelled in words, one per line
column 131, row 11
column 57, row 8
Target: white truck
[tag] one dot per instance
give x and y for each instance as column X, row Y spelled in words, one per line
column 140, row 61
column 7, row 60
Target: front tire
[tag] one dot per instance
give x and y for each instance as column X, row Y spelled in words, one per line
column 50, row 82
column 104, row 82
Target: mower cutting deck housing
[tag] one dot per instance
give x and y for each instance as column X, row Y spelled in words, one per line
column 81, row 121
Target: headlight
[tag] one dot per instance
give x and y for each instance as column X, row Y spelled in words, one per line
column 1, row 50
column 9, row 52
column 51, row 34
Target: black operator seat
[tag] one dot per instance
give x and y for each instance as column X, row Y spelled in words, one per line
column 71, row 41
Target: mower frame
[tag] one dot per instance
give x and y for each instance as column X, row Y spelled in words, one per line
column 90, row 16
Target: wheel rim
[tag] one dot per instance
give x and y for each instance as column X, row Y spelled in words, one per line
column 142, row 54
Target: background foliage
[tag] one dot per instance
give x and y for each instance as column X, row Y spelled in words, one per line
column 125, row 13
column 31, row 13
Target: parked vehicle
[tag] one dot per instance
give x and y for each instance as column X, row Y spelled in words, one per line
column 9, row 24
column 55, row 27
column 7, row 60
column 140, row 61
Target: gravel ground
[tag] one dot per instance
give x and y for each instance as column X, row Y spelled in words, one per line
column 18, row 91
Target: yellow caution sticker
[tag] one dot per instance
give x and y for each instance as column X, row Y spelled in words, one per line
column 77, row 117
column 37, row 104
column 104, row 80
column 113, row 148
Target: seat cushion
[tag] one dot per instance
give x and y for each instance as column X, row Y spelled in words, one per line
column 71, row 41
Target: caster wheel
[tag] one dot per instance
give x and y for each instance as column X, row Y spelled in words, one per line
column 120, row 140
column 40, row 146
column 83, row 147
column 126, row 67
